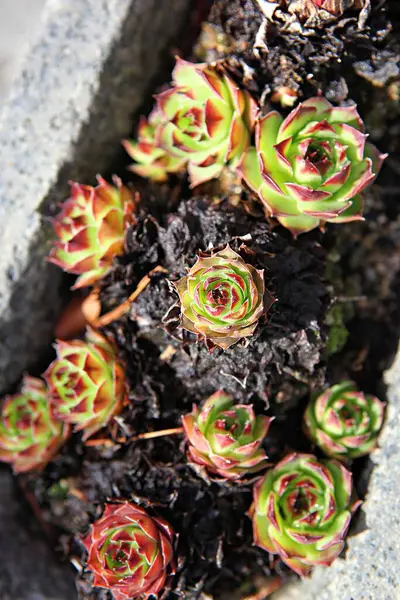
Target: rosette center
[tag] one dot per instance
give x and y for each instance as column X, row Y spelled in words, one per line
column 220, row 295
column 300, row 505
column 23, row 419
column 117, row 558
column 319, row 155
column 350, row 415
column 234, row 423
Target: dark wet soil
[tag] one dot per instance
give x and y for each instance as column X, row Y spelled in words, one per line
column 302, row 346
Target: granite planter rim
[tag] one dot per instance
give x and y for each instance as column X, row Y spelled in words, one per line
column 63, row 120
column 60, row 122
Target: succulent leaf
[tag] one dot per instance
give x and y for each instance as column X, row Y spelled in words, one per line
column 30, row 435
column 312, row 166
column 90, row 229
column 226, row 438
column 203, row 121
column 222, row 298
column 302, row 510
column 151, row 160
column 129, row 552
column 344, row 422
column 86, row 382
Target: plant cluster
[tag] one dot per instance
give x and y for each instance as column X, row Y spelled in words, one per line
column 90, row 229
column 130, row 552
column 86, row 383
column 344, row 422
column 30, row 434
column 85, row 386
column 222, row 298
column 302, row 510
column 312, row 166
column 203, row 122
column 226, row 438
column 306, row 169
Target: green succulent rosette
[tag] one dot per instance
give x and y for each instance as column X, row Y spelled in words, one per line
column 30, row 434
column 222, row 298
column 344, row 422
column 226, row 438
column 302, row 510
column 129, row 552
column 152, row 161
column 207, row 120
column 312, row 166
column 90, row 229
column 87, row 383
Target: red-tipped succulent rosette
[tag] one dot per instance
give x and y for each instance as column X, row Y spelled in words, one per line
column 203, row 120
column 302, row 510
column 312, row 166
column 87, row 383
column 226, row 438
column 152, row 161
column 337, row 8
column 344, row 422
column 222, row 298
column 30, row 434
column 90, row 229
column 130, row 552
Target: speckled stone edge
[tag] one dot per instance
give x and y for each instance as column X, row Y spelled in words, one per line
column 30, row 569
column 90, row 66
column 371, row 567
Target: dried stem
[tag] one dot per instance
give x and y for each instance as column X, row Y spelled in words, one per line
column 141, row 436
column 102, row 442
column 91, row 306
column 123, row 308
column 270, row 586
column 155, row 434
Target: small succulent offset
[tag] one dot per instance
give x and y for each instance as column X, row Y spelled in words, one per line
column 344, row 422
column 90, row 229
column 226, row 438
column 222, row 298
column 312, row 166
column 302, row 510
column 204, row 120
column 86, row 382
column 152, row 161
column 130, row 553
column 337, row 7
column 30, row 435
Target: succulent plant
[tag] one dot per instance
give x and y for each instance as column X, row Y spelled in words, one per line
column 207, row 120
column 312, row 166
column 313, row 13
column 30, row 435
column 86, row 382
column 226, row 438
column 152, row 161
column 130, row 553
column 344, row 422
column 302, row 510
column 90, row 229
column 222, row 298
column 337, row 7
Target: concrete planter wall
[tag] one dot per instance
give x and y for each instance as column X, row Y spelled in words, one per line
column 88, row 71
